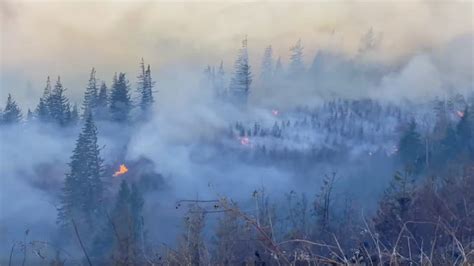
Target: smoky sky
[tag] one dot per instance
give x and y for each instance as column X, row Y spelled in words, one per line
column 41, row 38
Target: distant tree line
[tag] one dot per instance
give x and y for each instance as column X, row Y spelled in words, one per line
column 114, row 104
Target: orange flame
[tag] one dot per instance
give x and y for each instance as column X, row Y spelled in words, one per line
column 460, row 113
column 122, row 170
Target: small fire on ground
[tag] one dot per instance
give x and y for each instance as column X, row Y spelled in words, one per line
column 122, row 170
column 244, row 141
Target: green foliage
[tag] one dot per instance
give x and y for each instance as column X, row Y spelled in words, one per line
column 120, row 103
column 42, row 111
column 58, row 105
column 296, row 68
column 83, row 188
column 145, row 87
column 102, row 103
column 411, row 148
column 267, row 70
column 242, row 78
column 12, row 113
column 91, row 95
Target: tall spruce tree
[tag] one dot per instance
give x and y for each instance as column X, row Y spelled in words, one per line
column 267, row 72
column 11, row 113
column 102, row 102
column 120, row 103
column 102, row 98
column 90, row 96
column 148, row 93
column 145, row 87
column 58, row 105
column 83, row 188
column 296, row 68
column 239, row 88
column 41, row 111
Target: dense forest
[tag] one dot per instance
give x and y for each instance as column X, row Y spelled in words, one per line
column 338, row 180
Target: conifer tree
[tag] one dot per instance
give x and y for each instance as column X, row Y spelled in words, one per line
column 12, row 113
column 120, row 103
column 58, row 105
column 83, row 188
column 239, row 88
column 102, row 102
column 148, row 93
column 266, row 74
column 41, row 111
column 296, row 68
column 145, row 87
column 102, row 98
column 90, row 96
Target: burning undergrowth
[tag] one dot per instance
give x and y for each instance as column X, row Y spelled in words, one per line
column 141, row 172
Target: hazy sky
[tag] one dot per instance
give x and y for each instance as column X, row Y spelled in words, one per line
column 67, row 38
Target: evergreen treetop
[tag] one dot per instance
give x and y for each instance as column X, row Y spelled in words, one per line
column 90, row 95
column 145, row 87
column 120, row 103
column 242, row 77
column 12, row 113
column 83, row 187
column 296, row 68
column 267, row 65
column 58, row 104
